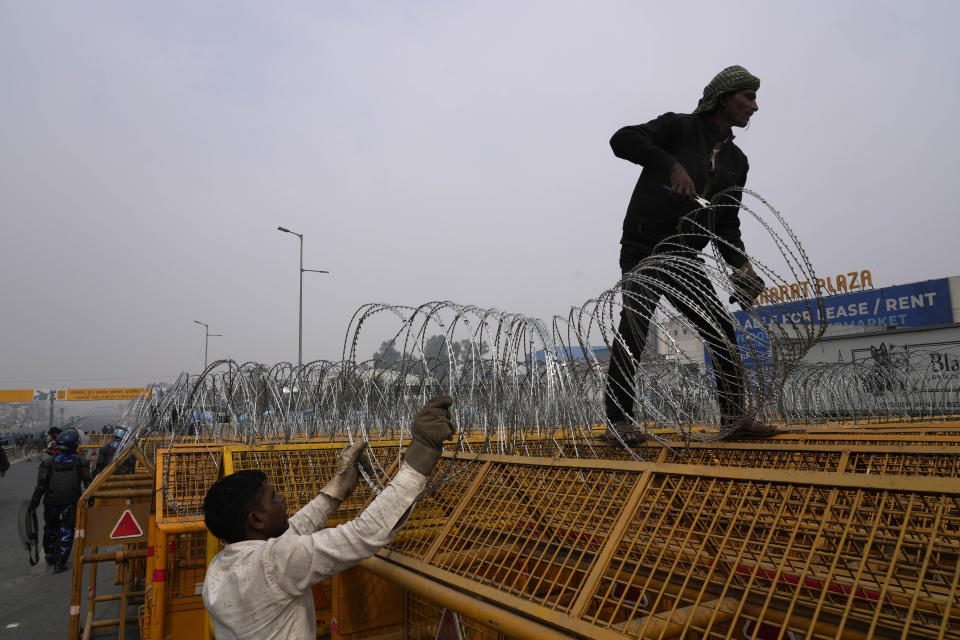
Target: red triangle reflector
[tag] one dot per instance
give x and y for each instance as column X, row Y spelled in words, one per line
column 126, row 527
column 449, row 626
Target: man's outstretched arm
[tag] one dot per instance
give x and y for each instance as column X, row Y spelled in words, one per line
column 296, row 562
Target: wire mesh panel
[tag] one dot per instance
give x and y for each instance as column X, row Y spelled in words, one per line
column 941, row 460
column 434, row 511
column 541, row 442
column 534, row 532
column 867, row 438
column 763, row 458
column 186, row 564
column 708, row 556
column 183, row 476
column 648, row 451
column 298, row 472
column 947, row 426
column 657, row 550
column 945, row 464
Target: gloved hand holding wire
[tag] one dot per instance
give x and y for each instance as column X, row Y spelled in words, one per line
column 342, row 483
column 431, row 426
column 747, row 286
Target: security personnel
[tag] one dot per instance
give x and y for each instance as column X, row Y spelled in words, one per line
column 109, row 451
column 60, row 483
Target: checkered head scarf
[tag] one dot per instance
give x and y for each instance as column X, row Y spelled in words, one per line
column 730, row 79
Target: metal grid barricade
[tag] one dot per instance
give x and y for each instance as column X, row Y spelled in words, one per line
column 856, row 437
column 764, row 457
column 822, row 535
column 184, row 473
column 299, row 471
column 113, row 496
column 176, row 563
column 436, row 510
column 186, row 564
column 550, row 524
column 886, row 459
column 907, row 463
column 652, row 550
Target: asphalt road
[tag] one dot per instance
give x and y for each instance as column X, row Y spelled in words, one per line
column 34, row 601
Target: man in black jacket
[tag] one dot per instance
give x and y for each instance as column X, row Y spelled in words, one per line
column 60, row 482
column 686, row 156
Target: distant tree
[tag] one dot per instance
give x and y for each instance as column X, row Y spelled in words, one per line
column 437, row 354
column 434, row 360
column 387, row 355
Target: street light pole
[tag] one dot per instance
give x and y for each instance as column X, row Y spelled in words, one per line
column 300, row 315
column 206, row 339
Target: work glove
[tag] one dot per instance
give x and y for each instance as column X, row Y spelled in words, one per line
column 431, row 426
column 344, row 480
column 747, row 286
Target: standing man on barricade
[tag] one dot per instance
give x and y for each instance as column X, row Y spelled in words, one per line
column 686, row 156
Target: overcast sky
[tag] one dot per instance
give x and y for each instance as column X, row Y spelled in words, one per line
column 430, row 150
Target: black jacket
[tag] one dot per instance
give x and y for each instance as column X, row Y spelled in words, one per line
column 105, row 457
column 653, row 213
column 61, row 479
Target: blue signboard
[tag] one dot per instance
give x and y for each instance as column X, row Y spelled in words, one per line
column 919, row 304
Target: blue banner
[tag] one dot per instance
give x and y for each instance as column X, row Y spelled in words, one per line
column 919, row 304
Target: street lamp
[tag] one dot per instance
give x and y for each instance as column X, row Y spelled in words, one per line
column 300, row 325
column 206, row 338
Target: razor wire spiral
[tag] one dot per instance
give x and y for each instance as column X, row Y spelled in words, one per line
column 524, row 386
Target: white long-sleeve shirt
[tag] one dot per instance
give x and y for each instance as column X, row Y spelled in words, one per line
column 260, row 589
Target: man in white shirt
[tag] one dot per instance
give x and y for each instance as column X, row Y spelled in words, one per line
column 259, row 585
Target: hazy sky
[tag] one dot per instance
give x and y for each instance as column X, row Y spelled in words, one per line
column 431, row 150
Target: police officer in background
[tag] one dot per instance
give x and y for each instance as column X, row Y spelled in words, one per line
column 109, row 451
column 60, row 483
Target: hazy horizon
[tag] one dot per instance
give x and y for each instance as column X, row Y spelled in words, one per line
column 443, row 151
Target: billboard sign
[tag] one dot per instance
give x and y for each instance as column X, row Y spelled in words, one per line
column 25, row 395
column 16, row 395
column 126, row 393
column 919, row 304
column 37, row 395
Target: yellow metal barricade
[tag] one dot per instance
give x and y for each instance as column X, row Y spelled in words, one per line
column 837, row 531
column 609, row 549
column 112, row 519
column 177, row 552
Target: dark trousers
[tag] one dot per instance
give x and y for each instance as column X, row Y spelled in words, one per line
column 58, row 524
column 687, row 288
